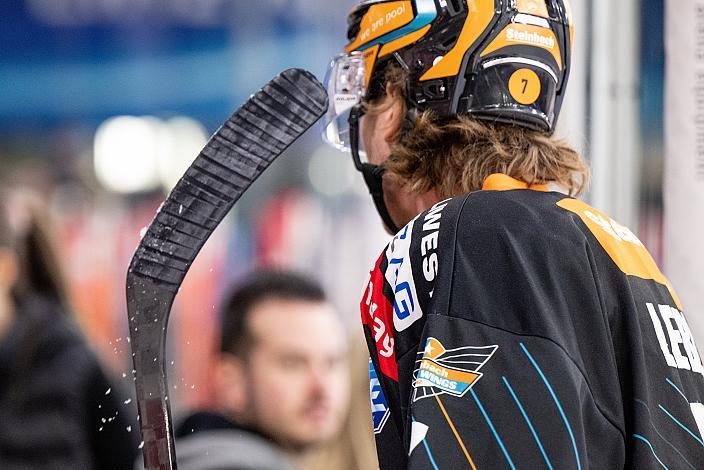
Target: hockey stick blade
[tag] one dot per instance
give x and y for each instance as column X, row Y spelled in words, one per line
column 268, row 123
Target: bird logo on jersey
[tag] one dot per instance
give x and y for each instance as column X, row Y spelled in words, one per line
column 450, row 371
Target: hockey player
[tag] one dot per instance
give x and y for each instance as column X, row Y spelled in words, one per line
column 510, row 325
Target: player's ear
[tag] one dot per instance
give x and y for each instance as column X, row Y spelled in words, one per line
column 230, row 384
column 392, row 116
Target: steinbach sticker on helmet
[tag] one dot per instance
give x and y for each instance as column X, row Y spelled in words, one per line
column 497, row 60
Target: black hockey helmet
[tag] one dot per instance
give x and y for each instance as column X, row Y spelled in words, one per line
column 497, row 60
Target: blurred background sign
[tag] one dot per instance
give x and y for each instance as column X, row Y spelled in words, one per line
column 104, row 104
column 88, row 60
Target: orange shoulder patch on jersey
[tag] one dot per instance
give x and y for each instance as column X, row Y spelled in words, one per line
column 624, row 248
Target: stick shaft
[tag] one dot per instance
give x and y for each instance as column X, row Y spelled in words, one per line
column 231, row 161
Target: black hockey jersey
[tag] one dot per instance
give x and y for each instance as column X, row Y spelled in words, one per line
column 520, row 328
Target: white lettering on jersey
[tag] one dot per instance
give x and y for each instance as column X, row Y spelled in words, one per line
column 375, row 388
column 613, row 228
column 399, row 275
column 698, row 412
column 690, row 347
column 661, row 336
column 668, row 317
column 429, row 242
column 678, row 335
column 384, row 341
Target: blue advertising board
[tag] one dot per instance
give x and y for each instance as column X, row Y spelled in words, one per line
column 86, row 60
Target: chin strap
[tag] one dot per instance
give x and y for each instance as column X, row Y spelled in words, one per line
column 373, row 174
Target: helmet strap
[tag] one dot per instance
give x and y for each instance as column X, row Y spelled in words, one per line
column 373, row 174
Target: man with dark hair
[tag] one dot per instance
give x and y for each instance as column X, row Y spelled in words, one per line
column 281, row 379
column 236, row 336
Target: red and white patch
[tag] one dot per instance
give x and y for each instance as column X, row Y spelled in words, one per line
column 377, row 314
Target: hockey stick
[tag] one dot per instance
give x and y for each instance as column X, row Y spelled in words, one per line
column 233, row 158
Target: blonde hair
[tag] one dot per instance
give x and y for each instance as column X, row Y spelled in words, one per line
column 456, row 156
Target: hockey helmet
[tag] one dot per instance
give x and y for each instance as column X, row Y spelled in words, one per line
column 498, row 60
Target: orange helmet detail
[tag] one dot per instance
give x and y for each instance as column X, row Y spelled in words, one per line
column 462, row 56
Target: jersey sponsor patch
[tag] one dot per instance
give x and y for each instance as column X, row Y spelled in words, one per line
column 448, row 371
column 377, row 315
column 399, row 271
column 380, row 407
column 399, row 275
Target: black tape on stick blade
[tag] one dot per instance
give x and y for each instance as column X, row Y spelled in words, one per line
column 231, row 161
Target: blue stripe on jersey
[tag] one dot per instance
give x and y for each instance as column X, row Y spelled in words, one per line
column 493, row 430
column 530, row 425
column 430, row 455
column 678, row 390
column 557, row 402
column 650, row 416
column 427, row 450
column 638, row 436
column 681, row 425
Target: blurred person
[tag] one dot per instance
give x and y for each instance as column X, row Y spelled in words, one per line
column 510, row 324
column 353, row 448
column 58, row 408
column 281, row 379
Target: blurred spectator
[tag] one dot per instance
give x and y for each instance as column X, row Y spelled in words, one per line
column 354, row 448
column 282, row 383
column 58, row 409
